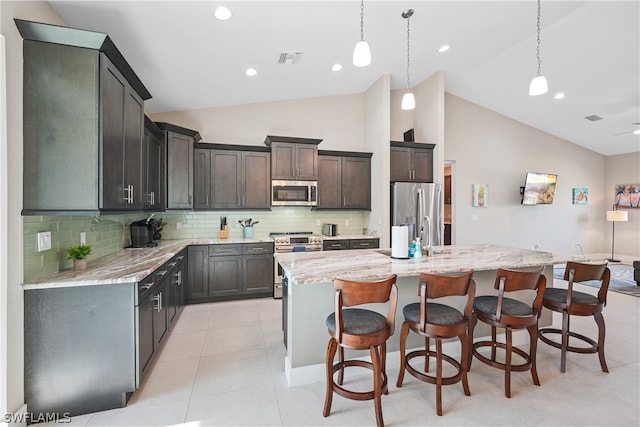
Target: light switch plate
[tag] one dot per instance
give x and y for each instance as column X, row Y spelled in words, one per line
column 44, row 241
column 83, row 237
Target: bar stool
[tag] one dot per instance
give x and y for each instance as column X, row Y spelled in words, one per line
column 435, row 320
column 502, row 312
column 575, row 303
column 360, row 329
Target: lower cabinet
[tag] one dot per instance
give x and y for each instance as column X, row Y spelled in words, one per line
column 342, row 244
column 229, row 271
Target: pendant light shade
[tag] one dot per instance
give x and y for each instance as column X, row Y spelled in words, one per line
column 408, row 100
column 538, row 85
column 361, row 53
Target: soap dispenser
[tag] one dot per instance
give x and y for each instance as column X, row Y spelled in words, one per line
column 418, row 249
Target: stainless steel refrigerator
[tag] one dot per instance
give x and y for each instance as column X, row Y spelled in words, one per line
column 418, row 205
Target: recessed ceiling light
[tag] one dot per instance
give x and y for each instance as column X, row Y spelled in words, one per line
column 251, row 72
column 336, row 67
column 444, row 48
column 636, row 132
column 559, row 95
column 222, row 13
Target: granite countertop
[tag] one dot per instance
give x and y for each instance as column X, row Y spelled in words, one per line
column 350, row 237
column 128, row 265
column 317, row 267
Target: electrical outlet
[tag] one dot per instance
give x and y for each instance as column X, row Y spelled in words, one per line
column 346, row 222
column 44, row 241
column 318, row 222
column 83, row 237
column 179, row 225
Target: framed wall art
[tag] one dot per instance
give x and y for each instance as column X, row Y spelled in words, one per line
column 627, row 196
column 480, row 195
column 580, row 196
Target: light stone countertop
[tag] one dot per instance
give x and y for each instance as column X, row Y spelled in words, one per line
column 128, row 265
column 318, row 267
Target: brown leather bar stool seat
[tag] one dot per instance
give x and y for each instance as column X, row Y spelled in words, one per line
column 575, row 303
column 509, row 313
column 439, row 321
column 360, row 329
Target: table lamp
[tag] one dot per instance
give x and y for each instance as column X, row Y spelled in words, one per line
column 613, row 217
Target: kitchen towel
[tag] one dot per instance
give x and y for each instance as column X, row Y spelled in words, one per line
column 400, row 242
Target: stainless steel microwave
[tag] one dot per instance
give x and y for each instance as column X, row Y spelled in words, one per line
column 294, row 193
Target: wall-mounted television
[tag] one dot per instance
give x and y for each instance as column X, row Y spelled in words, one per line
column 539, row 188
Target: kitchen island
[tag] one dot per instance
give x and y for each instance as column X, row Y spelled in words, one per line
column 308, row 295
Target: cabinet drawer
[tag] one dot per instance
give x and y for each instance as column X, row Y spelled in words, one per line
column 335, row 245
column 225, row 250
column 257, row 248
column 364, row 243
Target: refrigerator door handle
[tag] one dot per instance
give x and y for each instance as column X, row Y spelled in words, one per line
column 418, row 213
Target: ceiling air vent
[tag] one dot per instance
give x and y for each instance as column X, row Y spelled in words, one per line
column 593, row 118
column 288, row 58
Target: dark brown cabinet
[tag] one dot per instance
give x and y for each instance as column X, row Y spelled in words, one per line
column 229, row 271
column 198, row 272
column 179, row 144
column 83, row 123
column 343, row 244
column 411, row 162
column 231, row 177
column 344, row 180
column 293, row 158
column 153, row 167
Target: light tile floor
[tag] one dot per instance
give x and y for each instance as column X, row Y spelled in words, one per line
column 223, row 365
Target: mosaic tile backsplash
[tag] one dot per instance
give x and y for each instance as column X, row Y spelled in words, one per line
column 109, row 233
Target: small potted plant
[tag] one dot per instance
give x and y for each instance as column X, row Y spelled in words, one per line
column 79, row 256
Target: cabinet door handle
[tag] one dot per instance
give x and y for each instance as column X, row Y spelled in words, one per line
column 179, row 277
column 158, row 299
column 153, row 198
column 172, row 264
column 207, row 201
column 181, row 257
column 344, row 201
column 146, row 286
column 161, row 273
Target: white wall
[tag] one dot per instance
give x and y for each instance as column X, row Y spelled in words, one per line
column 337, row 120
column 35, row 11
column 623, row 169
column 489, row 148
column 377, row 134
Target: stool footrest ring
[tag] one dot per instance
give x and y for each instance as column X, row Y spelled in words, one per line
column 356, row 395
column 592, row 343
column 516, row 368
column 429, row 378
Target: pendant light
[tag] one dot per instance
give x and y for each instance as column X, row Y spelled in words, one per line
column 408, row 100
column 361, row 53
column 538, row 85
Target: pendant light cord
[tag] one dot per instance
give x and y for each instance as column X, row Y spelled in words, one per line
column 538, row 47
column 361, row 19
column 408, row 53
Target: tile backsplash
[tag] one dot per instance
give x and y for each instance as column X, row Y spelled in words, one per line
column 109, row 233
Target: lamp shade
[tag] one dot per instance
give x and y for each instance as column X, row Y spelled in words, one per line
column 617, row 216
column 408, row 101
column 538, row 86
column 361, row 54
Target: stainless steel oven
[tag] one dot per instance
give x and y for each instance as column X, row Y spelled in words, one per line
column 296, row 241
column 294, row 193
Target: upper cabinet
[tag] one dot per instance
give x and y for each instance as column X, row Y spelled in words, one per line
column 344, row 180
column 83, row 123
column 411, row 162
column 293, row 158
column 231, row 177
column 153, row 167
column 179, row 142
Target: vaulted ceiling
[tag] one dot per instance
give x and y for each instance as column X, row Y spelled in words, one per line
column 590, row 51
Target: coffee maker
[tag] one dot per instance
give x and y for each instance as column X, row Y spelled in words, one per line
column 141, row 235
